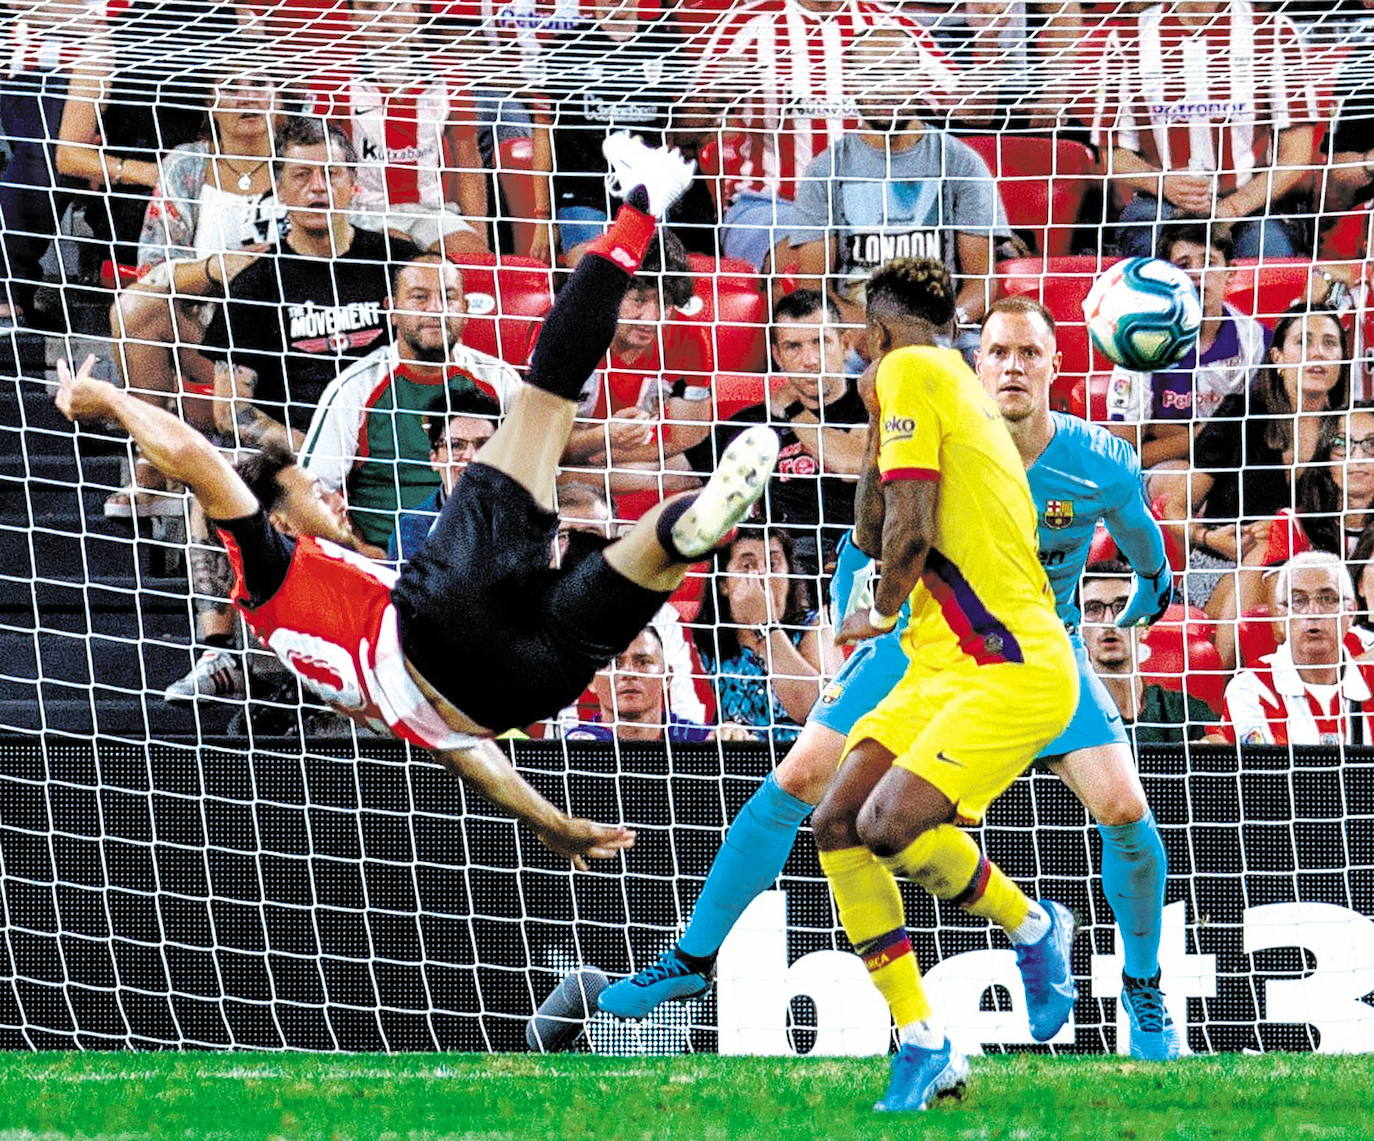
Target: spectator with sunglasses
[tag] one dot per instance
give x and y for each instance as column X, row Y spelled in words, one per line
column 1336, row 494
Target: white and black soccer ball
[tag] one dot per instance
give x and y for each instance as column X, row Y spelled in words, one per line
column 1143, row 314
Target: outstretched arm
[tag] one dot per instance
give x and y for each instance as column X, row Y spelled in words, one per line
column 176, row 449
column 486, row 768
column 1138, row 535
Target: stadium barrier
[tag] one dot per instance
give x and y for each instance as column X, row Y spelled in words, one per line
column 216, row 896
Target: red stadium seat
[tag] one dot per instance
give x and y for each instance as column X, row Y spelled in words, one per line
column 1043, row 182
column 1265, row 290
column 731, row 298
column 507, row 298
column 1098, row 385
column 1348, row 239
column 1256, row 635
column 1061, row 284
column 1190, row 664
column 515, row 172
column 720, row 162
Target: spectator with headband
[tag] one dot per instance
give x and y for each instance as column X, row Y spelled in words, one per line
column 1161, row 412
column 1187, row 128
column 1315, row 688
column 367, row 437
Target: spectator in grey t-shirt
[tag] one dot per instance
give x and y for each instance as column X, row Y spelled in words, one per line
column 897, row 188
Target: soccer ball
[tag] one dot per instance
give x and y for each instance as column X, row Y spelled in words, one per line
column 1143, row 314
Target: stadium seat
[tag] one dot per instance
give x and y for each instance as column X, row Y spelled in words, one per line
column 1175, row 658
column 515, row 173
column 1256, row 635
column 507, row 298
column 1098, row 383
column 1061, row 284
column 1043, row 183
column 1265, row 290
column 729, row 295
column 1348, row 238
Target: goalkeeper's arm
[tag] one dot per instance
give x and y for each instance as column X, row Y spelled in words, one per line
column 176, row 449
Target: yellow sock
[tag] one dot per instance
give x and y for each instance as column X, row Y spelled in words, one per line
column 874, row 919
column 947, row 863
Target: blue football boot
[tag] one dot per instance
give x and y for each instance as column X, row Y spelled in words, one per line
column 668, row 980
column 920, row 1075
column 1047, row 974
column 1154, row 1037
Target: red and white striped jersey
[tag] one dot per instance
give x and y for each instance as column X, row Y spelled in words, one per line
column 1208, row 100
column 332, row 624
column 778, row 70
column 399, row 132
column 1271, row 703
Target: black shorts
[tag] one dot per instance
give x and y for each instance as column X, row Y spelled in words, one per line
column 492, row 626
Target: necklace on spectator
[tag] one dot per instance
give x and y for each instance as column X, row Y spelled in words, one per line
column 245, row 176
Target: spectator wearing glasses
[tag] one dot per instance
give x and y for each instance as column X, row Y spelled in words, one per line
column 1336, row 494
column 458, row 426
column 368, row 435
column 1315, row 688
column 1153, row 715
column 1161, row 412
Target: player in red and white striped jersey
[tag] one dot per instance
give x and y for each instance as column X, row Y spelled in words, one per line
column 420, row 171
column 775, row 70
column 478, row 634
column 1315, row 689
column 1206, row 107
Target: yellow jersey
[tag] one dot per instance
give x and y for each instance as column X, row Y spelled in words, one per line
column 983, row 597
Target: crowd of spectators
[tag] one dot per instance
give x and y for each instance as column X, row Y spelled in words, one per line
column 297, row 245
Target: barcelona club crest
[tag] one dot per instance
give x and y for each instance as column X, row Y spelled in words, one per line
column 1058, row 514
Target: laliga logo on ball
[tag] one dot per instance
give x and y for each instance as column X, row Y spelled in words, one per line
column 1143, row 314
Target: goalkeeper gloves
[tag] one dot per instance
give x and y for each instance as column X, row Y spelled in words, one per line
column 1150, row 598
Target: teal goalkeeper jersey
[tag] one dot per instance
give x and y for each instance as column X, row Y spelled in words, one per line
column 1087, row 474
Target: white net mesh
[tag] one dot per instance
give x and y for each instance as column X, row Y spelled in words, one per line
column 194, row 853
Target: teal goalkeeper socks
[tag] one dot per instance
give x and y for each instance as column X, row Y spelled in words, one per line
column 1133, row 869
column 756, row 848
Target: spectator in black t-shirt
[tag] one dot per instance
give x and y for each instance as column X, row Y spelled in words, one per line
column 823, row 424
column 293, row 320
column 618, row 73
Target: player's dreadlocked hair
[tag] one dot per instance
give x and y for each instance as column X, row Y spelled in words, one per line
column 260, row 470
column 907, row 288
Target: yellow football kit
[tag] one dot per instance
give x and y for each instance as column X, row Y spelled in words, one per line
column 992, row 679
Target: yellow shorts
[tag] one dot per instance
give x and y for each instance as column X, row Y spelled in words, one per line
column 971, row 732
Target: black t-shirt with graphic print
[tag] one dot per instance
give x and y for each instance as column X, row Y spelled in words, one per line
column 299, row 321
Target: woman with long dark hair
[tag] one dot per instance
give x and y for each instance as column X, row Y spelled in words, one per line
column 759, row 636
column 1336, row 493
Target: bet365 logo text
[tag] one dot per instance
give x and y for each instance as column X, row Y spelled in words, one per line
column 756, row 984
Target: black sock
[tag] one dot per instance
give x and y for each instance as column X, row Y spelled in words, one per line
column 638, row 198
column 698, row 964
column 663, row 529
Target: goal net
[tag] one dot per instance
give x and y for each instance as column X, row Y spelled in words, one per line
column 339, row 226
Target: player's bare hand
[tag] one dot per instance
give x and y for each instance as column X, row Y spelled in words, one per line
column 581, row 840
column 857, row 628
column 81, row 396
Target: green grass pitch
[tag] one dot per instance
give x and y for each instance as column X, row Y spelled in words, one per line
column 426, row 1097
